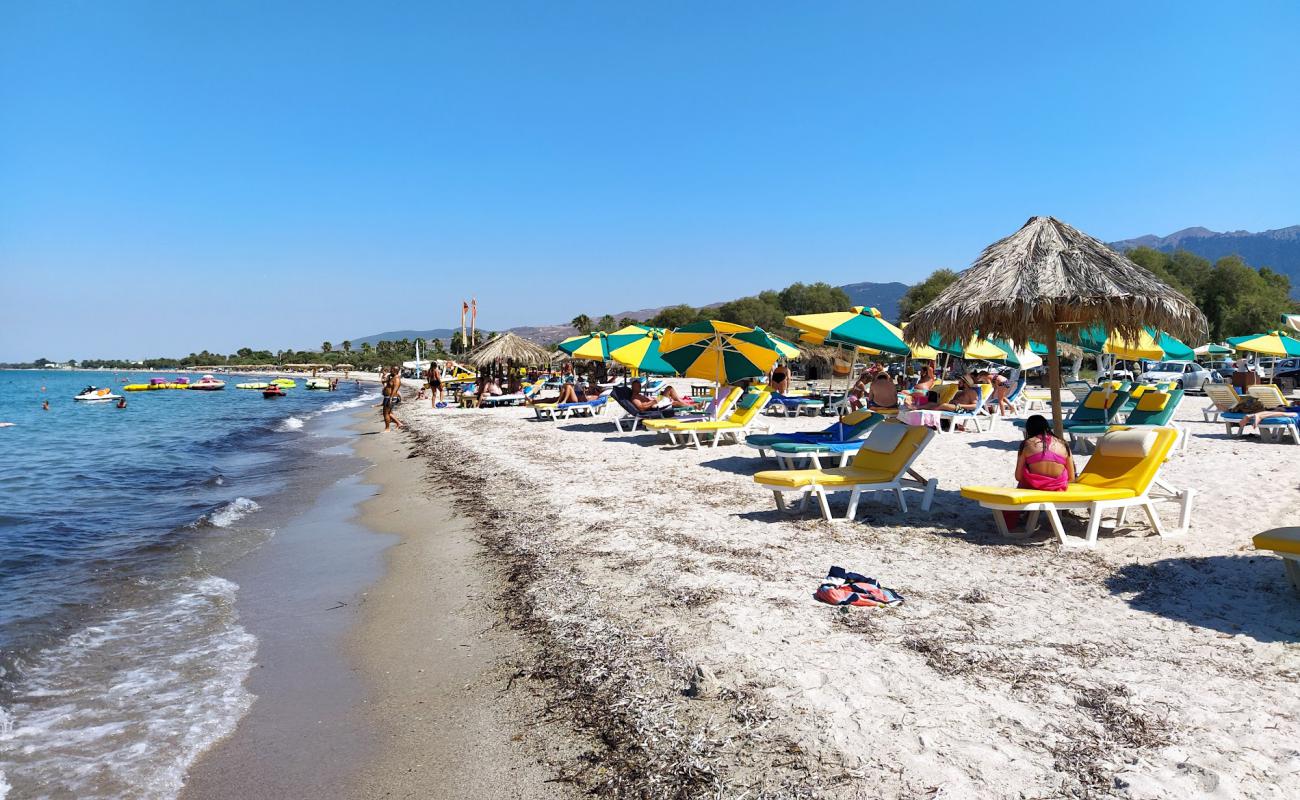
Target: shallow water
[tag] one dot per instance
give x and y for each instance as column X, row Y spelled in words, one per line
column 121, row 653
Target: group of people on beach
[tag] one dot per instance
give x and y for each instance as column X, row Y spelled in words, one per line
column 877, row 390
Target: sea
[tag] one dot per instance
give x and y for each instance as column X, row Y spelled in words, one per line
column 122, row 655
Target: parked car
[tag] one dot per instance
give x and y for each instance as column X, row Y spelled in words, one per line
column 1224, row 368
column 1186, row 375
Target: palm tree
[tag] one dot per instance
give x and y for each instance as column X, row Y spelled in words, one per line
column 347, row 346
column 437, row 346
column 325, row 347
column 582, row 322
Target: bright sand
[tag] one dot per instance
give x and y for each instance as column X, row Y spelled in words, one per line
column 672, row 604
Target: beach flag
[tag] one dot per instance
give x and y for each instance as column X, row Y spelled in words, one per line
column 473, row 319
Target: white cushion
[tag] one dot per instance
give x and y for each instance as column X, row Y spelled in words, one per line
column 884, row 438
column 1127, row 444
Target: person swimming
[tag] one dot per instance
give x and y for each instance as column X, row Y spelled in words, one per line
column 121, row 402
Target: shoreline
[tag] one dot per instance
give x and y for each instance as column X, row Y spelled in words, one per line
column 406, row 693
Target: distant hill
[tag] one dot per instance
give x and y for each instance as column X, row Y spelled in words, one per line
column 394, row 336
column 1278, row 249
column 884, row 296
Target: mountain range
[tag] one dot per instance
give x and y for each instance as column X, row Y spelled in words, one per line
column 1278, row 249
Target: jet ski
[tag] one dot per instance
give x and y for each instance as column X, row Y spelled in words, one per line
column 93, row 394
column 273, row 391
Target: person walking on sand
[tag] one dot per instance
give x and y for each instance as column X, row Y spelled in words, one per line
column 391, row 388
column 435, row 386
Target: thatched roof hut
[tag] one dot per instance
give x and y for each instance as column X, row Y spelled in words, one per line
column 510, row 349
column 1048, row 278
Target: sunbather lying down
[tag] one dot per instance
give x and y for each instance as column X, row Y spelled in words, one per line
column 1276, row 413
column 644, row 402
column 575, row 393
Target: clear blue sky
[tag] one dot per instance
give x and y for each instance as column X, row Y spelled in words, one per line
column 176, row 176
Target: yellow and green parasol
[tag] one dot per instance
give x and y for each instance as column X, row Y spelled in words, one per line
column 718, row 351
column 590, row 346
column 1273, row 343
column 637, row 347
column 861, row 327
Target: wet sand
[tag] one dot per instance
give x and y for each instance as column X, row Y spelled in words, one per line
column 382, row 671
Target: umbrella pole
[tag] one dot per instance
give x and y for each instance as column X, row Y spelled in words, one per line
column 1054, row 384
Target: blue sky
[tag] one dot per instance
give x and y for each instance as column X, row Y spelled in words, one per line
column 176, row 176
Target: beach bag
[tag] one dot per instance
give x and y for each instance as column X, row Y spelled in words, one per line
column 851, row 589
column 1248, row 405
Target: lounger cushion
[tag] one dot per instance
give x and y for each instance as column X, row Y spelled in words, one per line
column 1279, row 540
column 1153, row 401
column 1076, row 493
column 835, row 476
column 1099, row 400
column 817, row 447
column 1126, row 444
column 884, row 438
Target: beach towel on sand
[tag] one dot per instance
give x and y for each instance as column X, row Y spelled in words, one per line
column 851, row 589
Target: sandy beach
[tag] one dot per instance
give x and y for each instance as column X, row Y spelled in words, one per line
column 668, row 609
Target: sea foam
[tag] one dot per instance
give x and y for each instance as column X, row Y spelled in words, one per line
column 124, row 706
column 232, row 512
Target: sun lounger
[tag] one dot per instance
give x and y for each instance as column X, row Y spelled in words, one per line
column 794, row 406
column 1152, row 410
column 1268, row 394
column 883, row 464
column 842, row 439
column 1222, row 398
column 1119, row 476
column 717, row 408
column 583, row 408
column 974, row 418
column 1285, row 542
column 742, row 421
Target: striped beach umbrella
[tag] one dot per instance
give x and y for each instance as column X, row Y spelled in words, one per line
column 637, row 347
column 590, row 346
column 1150, row 344
column 861, row 327
column 786, row 350
column 1273, row 343
column 718, row 351
column 974, row 349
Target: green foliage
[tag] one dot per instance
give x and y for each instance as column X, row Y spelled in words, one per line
column 925, row 291
column 1235, row 298
column 606, row 324
column 626, row 321
column 760, row 311
column 325, row 347
column 583, row 323
column 815, row 298
column 677, row 316
column 347, row 346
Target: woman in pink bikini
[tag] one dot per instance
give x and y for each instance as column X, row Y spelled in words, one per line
column 1044, row 463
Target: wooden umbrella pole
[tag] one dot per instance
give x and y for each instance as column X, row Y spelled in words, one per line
column 1054, row 381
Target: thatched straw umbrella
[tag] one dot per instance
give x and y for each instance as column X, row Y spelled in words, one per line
column 1049, row 278
column 510, row 349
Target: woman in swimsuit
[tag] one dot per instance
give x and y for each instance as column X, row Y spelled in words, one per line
column 435, row 385
column 780, row 379
column 1044, row 463
column 926, row 381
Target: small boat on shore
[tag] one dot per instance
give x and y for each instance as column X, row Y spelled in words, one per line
column 93, row 394
column 318, row 383
column 273, row 391
column 208, row 384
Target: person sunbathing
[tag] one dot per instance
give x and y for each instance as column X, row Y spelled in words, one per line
column 1276, row 413
column 574, row 393
column 968, row 396
column 642, row 401
column 1044, row 463
column 674, row 397
column 883, row 394
column 932, row 403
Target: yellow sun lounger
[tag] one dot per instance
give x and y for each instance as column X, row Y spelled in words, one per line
column 883, row 464
column 1285, row 542
column 741, row 422
column 1119, row 475
column 716, row 409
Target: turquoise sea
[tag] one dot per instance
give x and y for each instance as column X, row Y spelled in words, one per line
column 121, row 653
